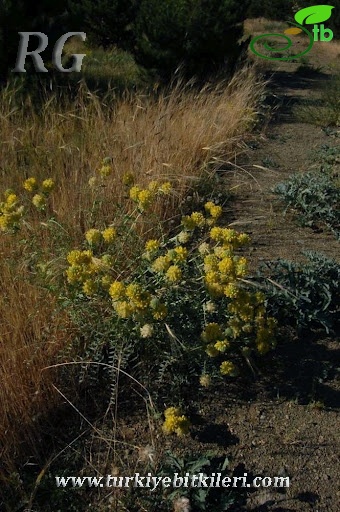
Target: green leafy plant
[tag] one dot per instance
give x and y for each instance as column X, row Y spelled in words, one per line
column 304, row 295
column 182, row 306
column 315, row 196
column 199, row 498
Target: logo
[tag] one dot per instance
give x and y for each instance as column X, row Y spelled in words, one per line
column 56, row 56
column 313, row 15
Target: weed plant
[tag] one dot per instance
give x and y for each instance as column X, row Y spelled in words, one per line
column 303, row 295
column 315, row 197
column 177, row 136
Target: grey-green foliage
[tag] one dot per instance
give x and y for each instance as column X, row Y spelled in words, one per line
column 200, row 498
column 316, row 197
column 303, row 295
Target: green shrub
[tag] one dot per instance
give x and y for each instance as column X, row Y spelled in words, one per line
column 315, row 196
column 304, row 295
column 200, row 35
column 164, row 34
column 106, row 22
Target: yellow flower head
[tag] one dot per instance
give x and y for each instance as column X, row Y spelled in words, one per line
column 226, row 266
column 80, row 257
column 173, row 274
column 231, row 291
column 214, row 210
column 39, row 201
column 152, row 245
column 160, row 311
column 75, row 274
column 109, row 234
column 180, row 254
column 134, row 193
column 106, row 282
column 107, row 260
column 123, row 309
column 166, row 188
column 205, row 380
column 222, row 345
column 105, row 170
column 210, row 307
column 183, row 237
column 175, row 422
column 11, row 200
column 241, row 267
column 212, row 332
column 128, row 179
column 188, row 223
column 30, row 185
column 93, row 236
column 211, row 350
column 153, row 186
column 144, row 199
column 203, row 248
column 198, row 219
column 48, row 185
column 89, row 287
column 117, row 290
column 146, row 331
column 243, row 239
column 228, row 368
column 161, row 264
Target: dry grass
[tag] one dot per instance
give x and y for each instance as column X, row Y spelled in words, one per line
column 178, row 135
column 255, row 26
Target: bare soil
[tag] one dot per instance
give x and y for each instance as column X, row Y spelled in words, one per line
column 287, row 424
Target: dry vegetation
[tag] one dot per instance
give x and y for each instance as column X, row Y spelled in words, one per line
column 179, row 136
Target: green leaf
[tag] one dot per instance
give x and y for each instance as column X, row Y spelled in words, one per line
column 314, row 14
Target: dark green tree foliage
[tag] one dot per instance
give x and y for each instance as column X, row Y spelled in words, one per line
column 106, row 22
column 162, row 34
column 45, row 16
column 200, row 34
column 271, row 9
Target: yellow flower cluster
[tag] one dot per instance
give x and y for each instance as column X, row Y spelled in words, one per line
column 215, row 211
column 212, row 335
column 168, row 264
column 173, row 274
column 222, row 268
column 151, row 247
column 145, row 197
column 95, row 236
column 193, row 221
column 47, row 185
column 175, row 422
column 83, row 267
column 132, row 299
column 248, row 315
column 10, row 211
column 32, row 186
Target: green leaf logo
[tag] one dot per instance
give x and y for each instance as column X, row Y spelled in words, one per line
column 314, row 14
